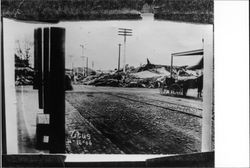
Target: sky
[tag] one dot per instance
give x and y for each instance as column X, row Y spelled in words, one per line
column 151, row 39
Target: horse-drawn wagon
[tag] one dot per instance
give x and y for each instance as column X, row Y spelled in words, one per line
column 180, row 86
column 180, row 81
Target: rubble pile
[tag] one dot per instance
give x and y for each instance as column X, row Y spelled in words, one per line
column 24, row 76
column 23, row 80
column 103, row 79
column 146, row 76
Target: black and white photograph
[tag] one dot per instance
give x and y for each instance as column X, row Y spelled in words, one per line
column 109, row 77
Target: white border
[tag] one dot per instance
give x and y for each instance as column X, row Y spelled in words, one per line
column 231, row 83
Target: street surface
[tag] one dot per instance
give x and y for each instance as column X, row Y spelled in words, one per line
column 140, row 120
column 117, row 121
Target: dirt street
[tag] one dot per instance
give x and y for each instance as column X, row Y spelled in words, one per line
column 139, row 120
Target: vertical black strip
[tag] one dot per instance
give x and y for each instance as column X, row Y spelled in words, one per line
column 40, row 67
column 4, row 147
column 46, row 65
column 57, row 94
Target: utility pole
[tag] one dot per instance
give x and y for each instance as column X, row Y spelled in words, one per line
column 93, row 65
column 87, row 66
column 81, row 45
column 124, row 32
column 171, row 73
column 119, row 57
column 72, row 64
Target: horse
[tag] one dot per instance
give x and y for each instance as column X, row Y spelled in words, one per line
column 182, row 86
column 192, row 84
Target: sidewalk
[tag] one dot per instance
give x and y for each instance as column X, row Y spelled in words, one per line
column 27, row 110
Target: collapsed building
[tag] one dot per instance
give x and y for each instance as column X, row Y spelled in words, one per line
column 148, row 76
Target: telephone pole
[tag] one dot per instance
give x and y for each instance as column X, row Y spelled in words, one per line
column 81, row 45
column 124, row 32
column 119, row 57
column 72, row 63
column 87, row 61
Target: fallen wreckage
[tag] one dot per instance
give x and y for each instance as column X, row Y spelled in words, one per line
column 146, row 76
